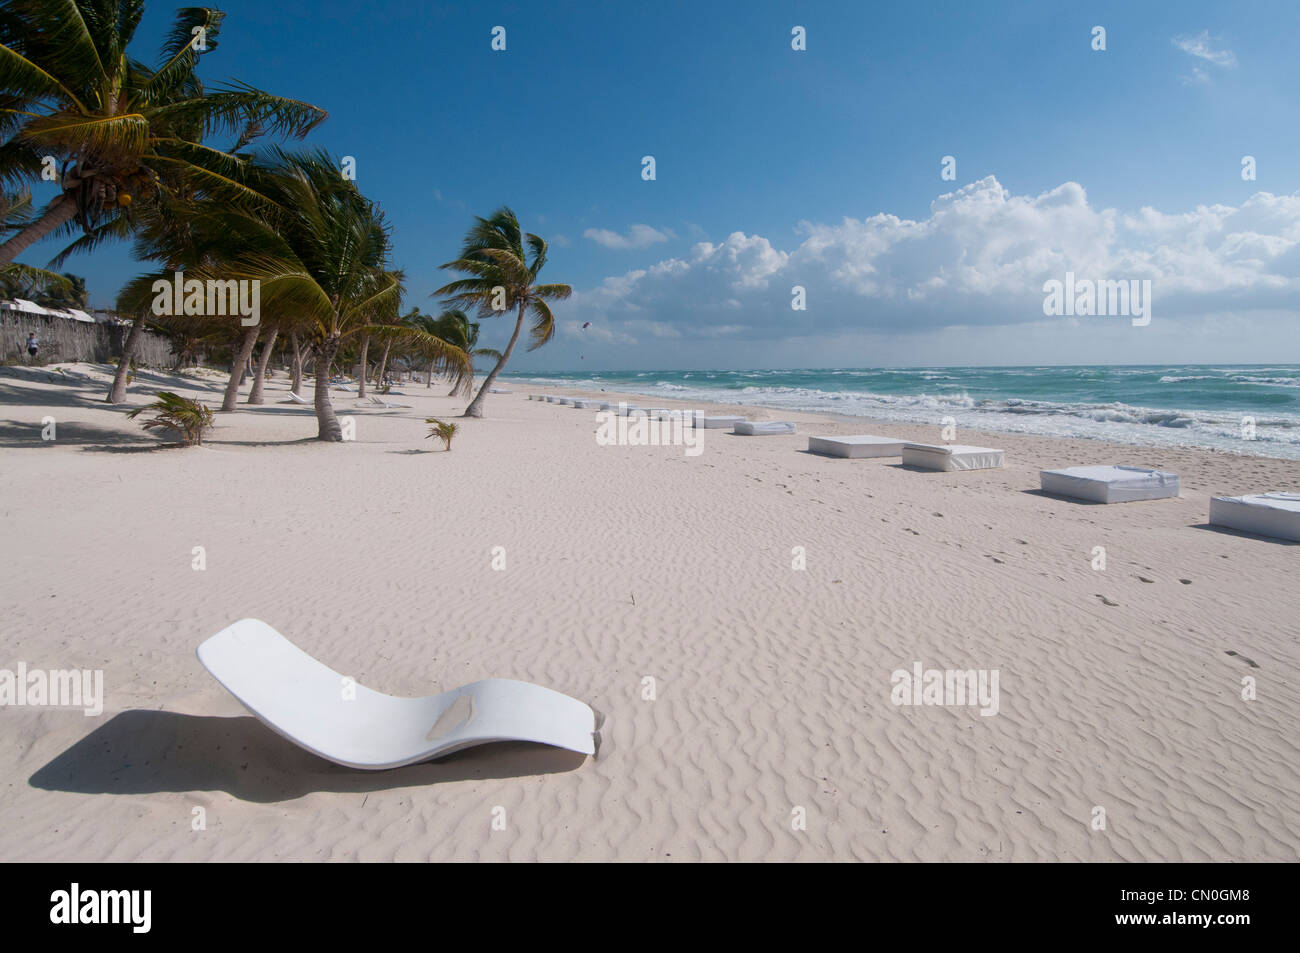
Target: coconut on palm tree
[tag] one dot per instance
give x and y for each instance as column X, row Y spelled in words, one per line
column 120, row 132
column 501, row 263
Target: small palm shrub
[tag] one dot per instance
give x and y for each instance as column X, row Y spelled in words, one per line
column 189, row 418
column 441, row 429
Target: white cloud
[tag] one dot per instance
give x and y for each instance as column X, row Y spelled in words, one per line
column 1200, row 47
column 978, row 260
column 638, row 236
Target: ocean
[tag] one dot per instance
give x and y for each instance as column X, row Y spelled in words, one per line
column 1252, row 409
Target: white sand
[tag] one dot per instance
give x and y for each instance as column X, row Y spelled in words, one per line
column 772, row 685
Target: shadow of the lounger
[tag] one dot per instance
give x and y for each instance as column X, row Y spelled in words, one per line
column 1242, row 534
column 152, row 752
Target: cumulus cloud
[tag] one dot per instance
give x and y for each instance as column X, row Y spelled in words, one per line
column 638, row 236
column 979, row 259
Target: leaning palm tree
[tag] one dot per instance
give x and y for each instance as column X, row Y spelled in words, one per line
column 24, row 281
column 321, row 254
column 454, row 327
column 120, row 131
column 502, row 274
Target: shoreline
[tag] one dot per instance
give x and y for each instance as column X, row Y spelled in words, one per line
column 1140, row 441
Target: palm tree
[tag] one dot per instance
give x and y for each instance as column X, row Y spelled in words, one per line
column 24, row 281
column 121, row 131
column 503, row 275
column 189, row 235
column 454, row 327
column 320, row 251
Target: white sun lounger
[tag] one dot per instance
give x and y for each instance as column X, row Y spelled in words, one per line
column 716, row 423
column 1264, row 514
column 763, row 428
column 295, row 399
column 862, row 445
column 625, row 409
column 306, row 702
column 550, row 399
column 498, row 390
column 583, row 404
column 1110, row 484
column 380, row 402
column 930, row 456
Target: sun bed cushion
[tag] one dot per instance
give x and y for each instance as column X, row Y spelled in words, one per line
column 1110, row 484
column 862, row 445
column 1265, row 514
column 763, row 428
column 716, row 423
column 931, row 456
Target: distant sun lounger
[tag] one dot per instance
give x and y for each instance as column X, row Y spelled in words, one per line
column 929, row 456
column 295, row 399
column 318, row 709
column 716, row 423
column 1264, row 514
column 763, row 428
column 380, row 402
column 1110, row 484
column 855, row 447
column 499, row 390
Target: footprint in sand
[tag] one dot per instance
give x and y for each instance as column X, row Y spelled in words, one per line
column 1105, row 601
column 1249, row 661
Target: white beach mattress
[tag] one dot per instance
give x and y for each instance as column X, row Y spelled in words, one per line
column 1266, row 514
column 930, row 456
column 627, row 410
column 1110, row 484
column 550, row 399
column 864, row 445
column 716, row 423
column 585, row 404
column 763, row 428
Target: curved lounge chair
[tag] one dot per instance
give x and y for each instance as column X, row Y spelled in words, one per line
column 295, row 399
column 305, row 701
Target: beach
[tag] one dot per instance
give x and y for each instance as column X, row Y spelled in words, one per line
column 747, row 703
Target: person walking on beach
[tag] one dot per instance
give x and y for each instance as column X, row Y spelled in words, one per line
column 33, row 346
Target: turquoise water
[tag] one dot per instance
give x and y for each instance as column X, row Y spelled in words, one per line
column 1156, row 405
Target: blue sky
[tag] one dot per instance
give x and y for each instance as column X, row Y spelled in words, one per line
column 763, row 152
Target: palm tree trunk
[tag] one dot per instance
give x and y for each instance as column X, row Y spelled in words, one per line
column 475, row 408
column 361, row 378
column 58, row 212
column 231, row 401
column 329, row 427
column 255, row 395
column 429, row 383
column 297, row 363
column 383, row 365
column 117, row 393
